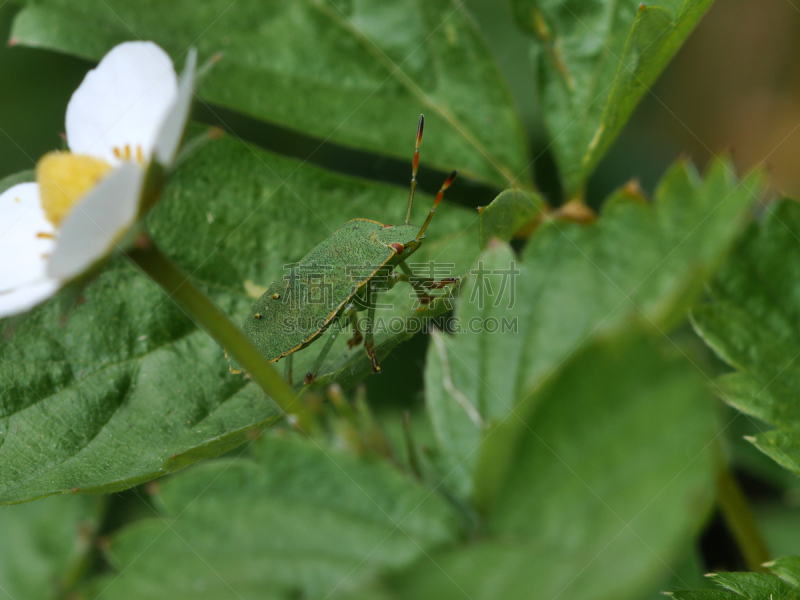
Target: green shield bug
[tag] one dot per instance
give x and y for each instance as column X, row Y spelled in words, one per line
column 337, row 280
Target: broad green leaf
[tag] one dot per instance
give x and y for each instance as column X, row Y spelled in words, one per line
column 753, row 324
column 595, row 60
column 573, row 282
column 297, row 520
column 44, row 545
column 610, row 479
column 782, row 584
column 643, row 260
column 510, row 212
column 356, row 73
column 129, row 389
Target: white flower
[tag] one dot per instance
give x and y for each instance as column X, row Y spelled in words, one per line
column 127, row 115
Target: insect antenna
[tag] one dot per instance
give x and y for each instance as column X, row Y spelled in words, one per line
column 414, row 167
column 436, row 202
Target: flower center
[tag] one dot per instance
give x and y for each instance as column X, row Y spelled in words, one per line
column 64, row 178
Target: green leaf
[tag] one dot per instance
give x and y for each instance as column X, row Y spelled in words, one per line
column 753, row 324
column 470, row 377
column 129, row 389
column 44, row 545
column 510, row 212
column 357, row 73
column 782, row 584
column 297, row 520
column 595, row 61
column 610, row 478
column 573, row 282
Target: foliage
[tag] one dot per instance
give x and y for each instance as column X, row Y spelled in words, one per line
column 568, row 440
column 783, row 583
column 46, row 545
column 752, row 324
column 595, row 60
column 366, row 59
column 296, row 517
column 128, row 388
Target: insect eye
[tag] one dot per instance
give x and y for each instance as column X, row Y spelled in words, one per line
column 398, row 248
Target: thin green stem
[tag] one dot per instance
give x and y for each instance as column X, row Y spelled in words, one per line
column 740, row 519
column 217, row 324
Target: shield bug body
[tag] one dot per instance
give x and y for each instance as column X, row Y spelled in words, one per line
column 337, row 280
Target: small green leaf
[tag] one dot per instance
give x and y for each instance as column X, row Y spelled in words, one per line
column 610, row 479
column 296, row 520
column 753, row 324
column 511, row 211
column 572, row 283
column 782, row 584
column 357, row 73
column 595, row 61
column 44, row 545
column 129, row 389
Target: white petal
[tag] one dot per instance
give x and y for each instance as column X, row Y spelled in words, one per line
column 23, row 277
column 122, row 102
column 171, row 133
column 95, row 225
column 26, row 297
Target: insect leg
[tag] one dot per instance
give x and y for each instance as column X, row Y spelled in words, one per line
column 415, row 282
column 369, row 342
column 287, row 371
column 421, row 284
column 357, row 336
column 332, row 335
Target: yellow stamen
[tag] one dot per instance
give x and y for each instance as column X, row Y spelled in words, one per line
column 64, row 178
column 126, row 152
column 43, row 235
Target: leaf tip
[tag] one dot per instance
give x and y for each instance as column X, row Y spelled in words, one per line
column 577, row 212
column 13, row 41
column 641, row 7
column 750, row 438
column 633, row 190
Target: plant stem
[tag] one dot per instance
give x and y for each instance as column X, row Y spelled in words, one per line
column 740, row 519
column 217, row 324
